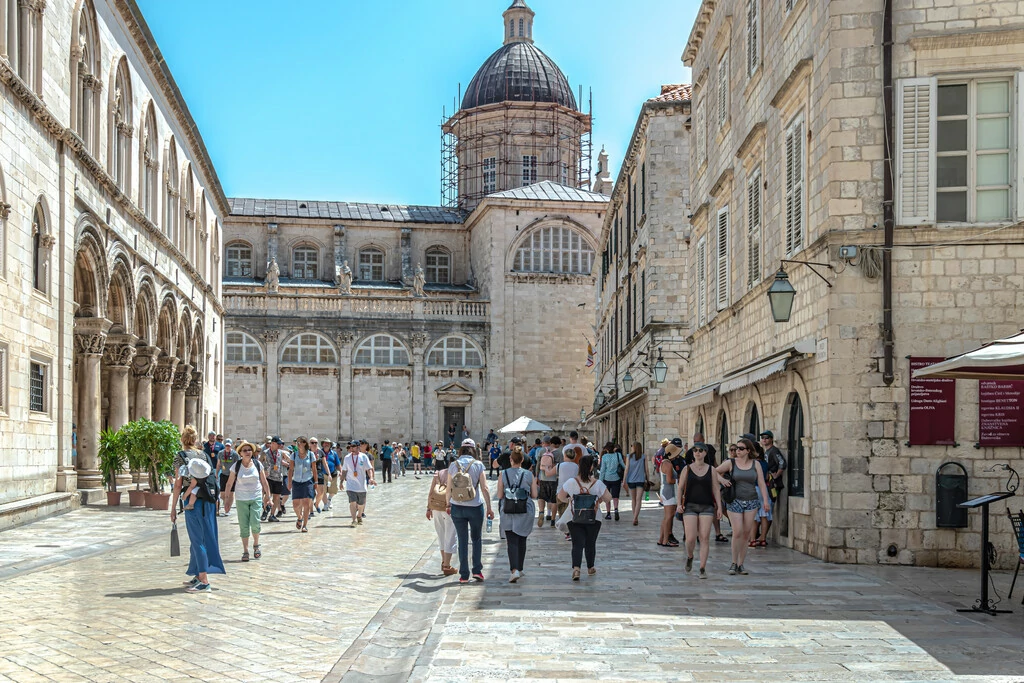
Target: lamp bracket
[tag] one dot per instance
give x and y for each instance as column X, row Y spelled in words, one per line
column 810, row 265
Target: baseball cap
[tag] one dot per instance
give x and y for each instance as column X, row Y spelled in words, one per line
column 211, row 434
column 354, row 444
column 277, row 440
column 228, row 442
column 700, row 446
column 748, row 435
column 468, row 443
column 546, row 439
column 768, row 433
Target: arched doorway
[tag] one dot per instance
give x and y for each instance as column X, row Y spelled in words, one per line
column 795, row 445
column 754, row 420
column 723, row 433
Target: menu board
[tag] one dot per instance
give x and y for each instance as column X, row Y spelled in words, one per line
column 1001, row 413
column 932, row 407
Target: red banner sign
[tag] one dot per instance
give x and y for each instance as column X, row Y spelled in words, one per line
column 932, row 407
column 1000, row 413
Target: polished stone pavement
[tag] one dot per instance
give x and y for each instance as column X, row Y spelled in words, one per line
column 367, row 604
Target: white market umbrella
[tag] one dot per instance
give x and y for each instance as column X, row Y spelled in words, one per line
column 1000, row 359
column 524, row 425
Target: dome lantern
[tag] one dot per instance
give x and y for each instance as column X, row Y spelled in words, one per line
column 518, row 22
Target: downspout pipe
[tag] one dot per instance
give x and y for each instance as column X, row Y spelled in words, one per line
column 889, row 189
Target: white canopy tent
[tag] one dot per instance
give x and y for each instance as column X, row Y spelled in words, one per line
column 1001, row 359
column 524, row 425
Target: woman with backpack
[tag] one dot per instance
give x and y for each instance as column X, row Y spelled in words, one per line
column 516, row 491
column 613, row 466
column 201, row 521
column 584, row 493
column 636, row 478
column 437, row 511
column 743, row 475
column 468, row 498
column 252, row 491
column 701, row 501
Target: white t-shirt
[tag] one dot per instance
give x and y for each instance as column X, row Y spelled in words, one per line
column 356, row 466
column 474, row 468
column 566, row 471
column 568, row 448
column 247, row 482
column 572, row 487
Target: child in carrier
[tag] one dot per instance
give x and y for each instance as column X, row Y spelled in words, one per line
column 197, row 470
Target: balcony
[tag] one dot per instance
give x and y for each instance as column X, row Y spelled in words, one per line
column 339, row 306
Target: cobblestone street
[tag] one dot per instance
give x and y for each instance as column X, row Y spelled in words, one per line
column 344, row 604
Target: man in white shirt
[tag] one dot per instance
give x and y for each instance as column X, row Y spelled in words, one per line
column 354, row 469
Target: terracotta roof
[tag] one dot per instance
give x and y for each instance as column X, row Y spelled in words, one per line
column 674, row 93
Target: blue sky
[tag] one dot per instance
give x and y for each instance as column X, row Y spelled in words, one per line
column 342, row 100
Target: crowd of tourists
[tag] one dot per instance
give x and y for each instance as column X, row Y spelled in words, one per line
column 555, row 483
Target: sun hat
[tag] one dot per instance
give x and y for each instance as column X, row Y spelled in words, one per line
column 199, row 468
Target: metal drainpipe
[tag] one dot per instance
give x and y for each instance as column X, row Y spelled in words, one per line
column 889, row 189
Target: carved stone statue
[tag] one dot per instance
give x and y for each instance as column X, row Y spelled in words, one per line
column 419, row 282
column 345, row 279
column 118, row 110
column 273, row 275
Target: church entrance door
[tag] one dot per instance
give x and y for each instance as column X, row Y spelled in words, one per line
column 454, row 415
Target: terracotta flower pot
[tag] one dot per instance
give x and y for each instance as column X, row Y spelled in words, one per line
column 158, row 501
column 136, row 499
column 113, row 498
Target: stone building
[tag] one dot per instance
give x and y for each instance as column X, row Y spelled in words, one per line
column 789, row 163
column 109, row 247
column 389, row 321
column 642, row 303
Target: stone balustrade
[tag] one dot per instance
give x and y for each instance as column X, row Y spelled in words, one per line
column 356, row 306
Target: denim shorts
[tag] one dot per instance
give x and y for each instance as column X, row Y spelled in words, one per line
column 699, row 510
column 743, row 506
column 761, row 514
column 302, row 490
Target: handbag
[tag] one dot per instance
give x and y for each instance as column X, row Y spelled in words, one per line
column 621, row 469
column 515, row 500
column 728, row 492
column 437, row 499
column 175, row 544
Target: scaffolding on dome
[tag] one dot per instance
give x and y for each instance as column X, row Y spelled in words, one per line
column 560, row 140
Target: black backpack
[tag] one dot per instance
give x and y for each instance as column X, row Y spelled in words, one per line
column 584, row 505
column 207, row 487
column 516, row 498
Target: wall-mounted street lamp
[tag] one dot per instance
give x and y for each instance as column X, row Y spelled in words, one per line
column 627, row 381
column 583, row 414
column 782, row 292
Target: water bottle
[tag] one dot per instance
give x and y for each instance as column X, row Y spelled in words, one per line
column 647, row 496
column 489, row 523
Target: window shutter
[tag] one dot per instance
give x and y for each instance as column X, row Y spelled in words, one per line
column 702, row 285
column 723, row 90
column 754, row 231
column 794, row 188
column 915, row 151
column 753, row 36
column 722, row 265
column 1020, row 146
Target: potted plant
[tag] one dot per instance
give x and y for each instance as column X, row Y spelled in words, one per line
column 138, row 462
column 112, row 460
column 154, row 445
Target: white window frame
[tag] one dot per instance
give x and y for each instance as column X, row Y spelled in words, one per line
column 437, row 273
column 367, row 271
column 554, row 249
column 722, row 86
column 305, row 269
column 237, row 259
column 490, row 175
column 455, row 352
column 46, row 365
column 321, row 348
column 529, row 169
column 374, row 351
column 250, row 349
column 795, row 193
column 753, row 36
column 702, row 282
column 754, row 216
column 722, row 271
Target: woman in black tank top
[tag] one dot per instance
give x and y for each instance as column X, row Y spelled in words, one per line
column 701, row 501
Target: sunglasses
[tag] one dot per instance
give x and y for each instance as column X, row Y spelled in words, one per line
column 740, row 448
column 699, row 450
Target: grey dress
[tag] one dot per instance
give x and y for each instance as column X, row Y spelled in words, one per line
column 522, row 524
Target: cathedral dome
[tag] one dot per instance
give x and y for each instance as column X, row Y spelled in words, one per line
column 518, row 71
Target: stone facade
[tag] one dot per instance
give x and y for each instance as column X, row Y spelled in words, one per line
column 109, row 207
column 788, row 163
column 642, row 300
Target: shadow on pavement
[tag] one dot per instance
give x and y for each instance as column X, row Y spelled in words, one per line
column 147, row 593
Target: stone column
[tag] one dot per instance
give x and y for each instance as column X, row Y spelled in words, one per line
column 418, row 342
column 118, row 354
column 345, row 340
column 182, row 378
column 272, row 384
column 90, row 334
column 192, row 394
column 143, row 371
column 406, row 256
column 163, row 377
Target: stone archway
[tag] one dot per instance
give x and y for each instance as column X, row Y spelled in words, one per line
column 167, row 361
column 146, row 350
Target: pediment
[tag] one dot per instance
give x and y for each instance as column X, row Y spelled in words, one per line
column 454, row 388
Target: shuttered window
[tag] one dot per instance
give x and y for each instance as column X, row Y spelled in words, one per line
column 795, row 190
column 753, row 36
column 702, row 283
column 754, row 230
column 915, row 158
column 723, row 89
column 722, row 260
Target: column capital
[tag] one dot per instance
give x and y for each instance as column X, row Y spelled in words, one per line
column 145, row 361
column 119, row 350
column 418, row 341
column 90, row 335
column 345, row 338
column 195, row 386
column 182, row 377
column 271, row 336
column 164, row 372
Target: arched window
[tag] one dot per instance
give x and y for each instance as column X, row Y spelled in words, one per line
column 241, row 349
column 188, row 235
column 238, row 260
column 555, row 249
column 304, row 263
column 439, row 266
column 371, row 265
column 511, row 28
column 699, row 427
column 382, row 349
column 85, row 55
column 150, row 166
column 795, row 443
column 754, row 420
column 42, row 240
column 21, row 33
column 309, row 349
column 120, row 129
column 521, row 28
column 172, row 193
column 723, row 434
column 455, row 352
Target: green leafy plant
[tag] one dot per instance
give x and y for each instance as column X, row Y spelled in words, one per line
column 152, row 446
column 113, row 456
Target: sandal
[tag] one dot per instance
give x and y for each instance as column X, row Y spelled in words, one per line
column 245, row 556
column 762, row 544
column 671, row 544
column 752, row 544
column 305, row 530
column 298, row 524
column 720, row 538
column 256, row 552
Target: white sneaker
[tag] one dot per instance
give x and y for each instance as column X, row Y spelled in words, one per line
column 515, row 576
